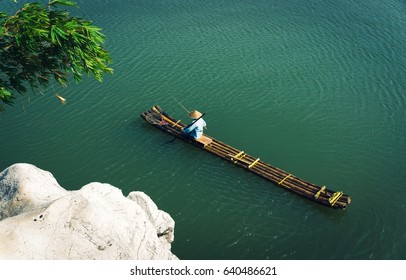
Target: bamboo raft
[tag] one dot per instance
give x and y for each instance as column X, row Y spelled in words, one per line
column 320, row 194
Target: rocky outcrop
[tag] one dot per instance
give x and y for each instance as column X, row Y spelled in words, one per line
column 41, row 220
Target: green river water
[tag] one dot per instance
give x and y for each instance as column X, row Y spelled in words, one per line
column 317, row 88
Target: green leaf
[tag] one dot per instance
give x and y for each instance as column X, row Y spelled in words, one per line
column 63, row 3
column 61, row 33
column 6, row 96
column 39, row 44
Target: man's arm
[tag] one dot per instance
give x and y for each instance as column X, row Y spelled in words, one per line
column 190, row 128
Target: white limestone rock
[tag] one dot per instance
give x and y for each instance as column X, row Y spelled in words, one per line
column 41, row 220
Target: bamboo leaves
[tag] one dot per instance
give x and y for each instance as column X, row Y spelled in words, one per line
column 5, row 96
column 62, row 3
column 40, row 43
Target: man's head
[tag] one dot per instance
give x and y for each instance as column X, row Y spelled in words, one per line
column 195, row 114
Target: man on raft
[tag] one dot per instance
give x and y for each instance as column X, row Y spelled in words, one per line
column 195, row 129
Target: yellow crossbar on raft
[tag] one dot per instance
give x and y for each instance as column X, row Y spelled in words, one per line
column 169, row 120
column 283, row 180
column 336, row 196
column 322, row 190
column 175, row 124
column 252, row 164
column 239, row 155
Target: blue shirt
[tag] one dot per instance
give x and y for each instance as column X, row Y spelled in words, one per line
column 196, row 129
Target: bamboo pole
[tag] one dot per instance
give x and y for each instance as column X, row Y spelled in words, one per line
column 295, row 180
column 275, row 178
column 297, row 185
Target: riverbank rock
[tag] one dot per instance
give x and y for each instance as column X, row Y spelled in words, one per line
column 41, row 220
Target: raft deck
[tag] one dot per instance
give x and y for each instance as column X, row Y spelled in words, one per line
column 320, row 194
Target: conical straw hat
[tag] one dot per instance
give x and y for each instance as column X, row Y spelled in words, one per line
column 195, row 114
